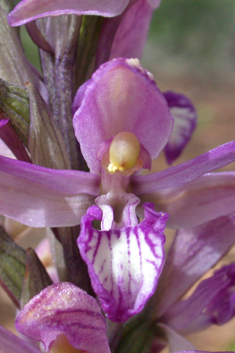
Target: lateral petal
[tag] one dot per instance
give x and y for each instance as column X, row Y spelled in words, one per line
column 185, row 172
column 28, row 10
column 124, row 264
column 202, row 200
column 41, row 197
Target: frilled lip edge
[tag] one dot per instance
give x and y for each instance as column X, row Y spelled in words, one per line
column 124, row 264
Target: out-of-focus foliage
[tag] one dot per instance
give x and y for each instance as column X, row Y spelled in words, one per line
column 194, row 28
column 30, row 47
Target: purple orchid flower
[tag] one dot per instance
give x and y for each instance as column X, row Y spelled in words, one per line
column 192, row 254
column 64, row 318
column 122, row 121
column 28, row 10
column 213, row 302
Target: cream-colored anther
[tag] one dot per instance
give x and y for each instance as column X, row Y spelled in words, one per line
column 123, row 152
column 61, row 345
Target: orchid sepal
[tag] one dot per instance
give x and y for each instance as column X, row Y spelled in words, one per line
column 29, row 10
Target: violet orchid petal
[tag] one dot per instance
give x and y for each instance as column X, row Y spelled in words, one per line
column 105, row 111
column 63, row 308
column 222, row 308
column 132, row 32
column 204, row 199
column 193, row 252
column 118, row 260
column 11, row 343
column 213, row 301
column 41, row 197
column 185, row 172
column 185, row 118
column 67, row 181
column 28, row 10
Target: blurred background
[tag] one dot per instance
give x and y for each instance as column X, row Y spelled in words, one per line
column 191, row 50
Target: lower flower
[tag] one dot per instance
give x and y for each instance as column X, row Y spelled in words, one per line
column 63, row 318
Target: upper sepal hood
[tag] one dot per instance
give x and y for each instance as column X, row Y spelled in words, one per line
column 63, row 308
column 105, row 110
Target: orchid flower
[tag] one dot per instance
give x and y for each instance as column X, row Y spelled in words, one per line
column 212, row 303
column 178, row 308
column 28, row 10
column 64, row 318
column 126, row 134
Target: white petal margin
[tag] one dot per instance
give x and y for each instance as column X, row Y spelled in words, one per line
column 124, row 264
column 185, row 120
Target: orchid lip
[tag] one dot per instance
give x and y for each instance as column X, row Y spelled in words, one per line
column 118, row 257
